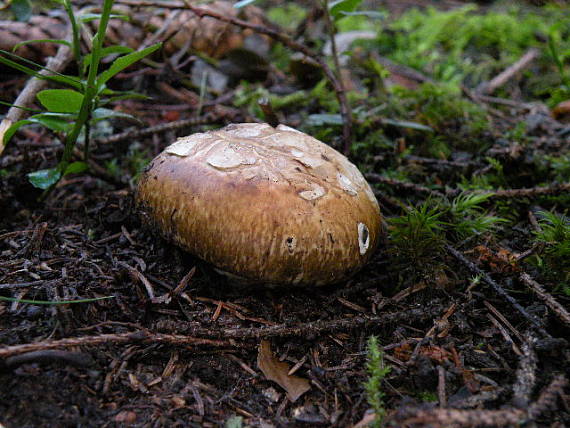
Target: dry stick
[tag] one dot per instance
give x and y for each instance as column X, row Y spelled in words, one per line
column 33, row 86
column 303, row 329
column 377, row 178
column 556, row 307
column 506, row 417
column 488, row 88
column 77, row 359
column 145, row 336
column 498, row 289
column 163, row 127
column 463, row 418
column 526, row 374
column 547, row 398
column 496, row 194
column 132, row 337
column 345, row 110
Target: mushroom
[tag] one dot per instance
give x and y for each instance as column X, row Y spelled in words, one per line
column 264, row 204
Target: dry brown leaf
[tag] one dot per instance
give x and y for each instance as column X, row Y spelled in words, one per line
column 276, row 370
column 562, row 112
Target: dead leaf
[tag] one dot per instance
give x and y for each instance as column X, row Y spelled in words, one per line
column 562, row 112
column 276, row 370
column 502, row 261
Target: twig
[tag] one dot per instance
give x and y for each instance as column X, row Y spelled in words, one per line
column 441, row 387
column 302, row 329
column 498, row 289
column 547, row 398
column 77, row 359
column 526, row 375
column 474, row 418
column 132, row 337
column 488, row 88
column 465, row 418
column 377, row 178
column 345, row 109
column 401, row 69
column 33, row 86
column 556, row 307
column 495, row 194
column 530, row 192
column 163, row 127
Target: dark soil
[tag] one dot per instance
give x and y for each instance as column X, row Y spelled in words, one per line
column 447, row 339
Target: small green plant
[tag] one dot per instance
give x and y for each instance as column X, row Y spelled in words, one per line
column 562, row 91
column 468, row 217
column 428, row 396
column 555, row 236
column 419, row 234
column 377, row 372
column 71, row 112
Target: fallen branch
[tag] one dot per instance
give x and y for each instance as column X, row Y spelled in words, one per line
column 103, row 339
column 556, row 307
column 377, row 178
column 525, row 375
column 502, row 78
column 309, row 329
column 461, row 418
column 158, row 129
column 531, row 192
column 498, row 289
column 475, row 418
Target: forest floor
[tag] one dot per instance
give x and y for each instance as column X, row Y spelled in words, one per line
column 468, row 294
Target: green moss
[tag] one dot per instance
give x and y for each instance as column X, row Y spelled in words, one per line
column 554, row 260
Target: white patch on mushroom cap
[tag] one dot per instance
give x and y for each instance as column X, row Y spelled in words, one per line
column 363, row 238
column 185, row 146
column 297, row 153
column 225, row 158
column 288, row 128
column 247, row 130
column 346, row 184
column 315, row 193
column 311, row 162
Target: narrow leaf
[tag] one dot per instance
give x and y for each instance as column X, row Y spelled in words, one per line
column 76, row 168
column 60, row 302
column 33, row 110
column 123, row 62
column 13, row 129
column 337, row 8
column 324, row 119
column 407, row 124
column 243, row 3
column 57, row 77
column 105, row 113
column 55, row 122
column 373, row 14
column 27, row 42
column 61, row 100
column 88, row 17
column 107, row 51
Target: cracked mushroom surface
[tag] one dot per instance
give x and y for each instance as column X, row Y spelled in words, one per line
column 269, row 205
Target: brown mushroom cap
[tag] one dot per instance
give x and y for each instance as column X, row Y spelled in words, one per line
column 266, row 204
